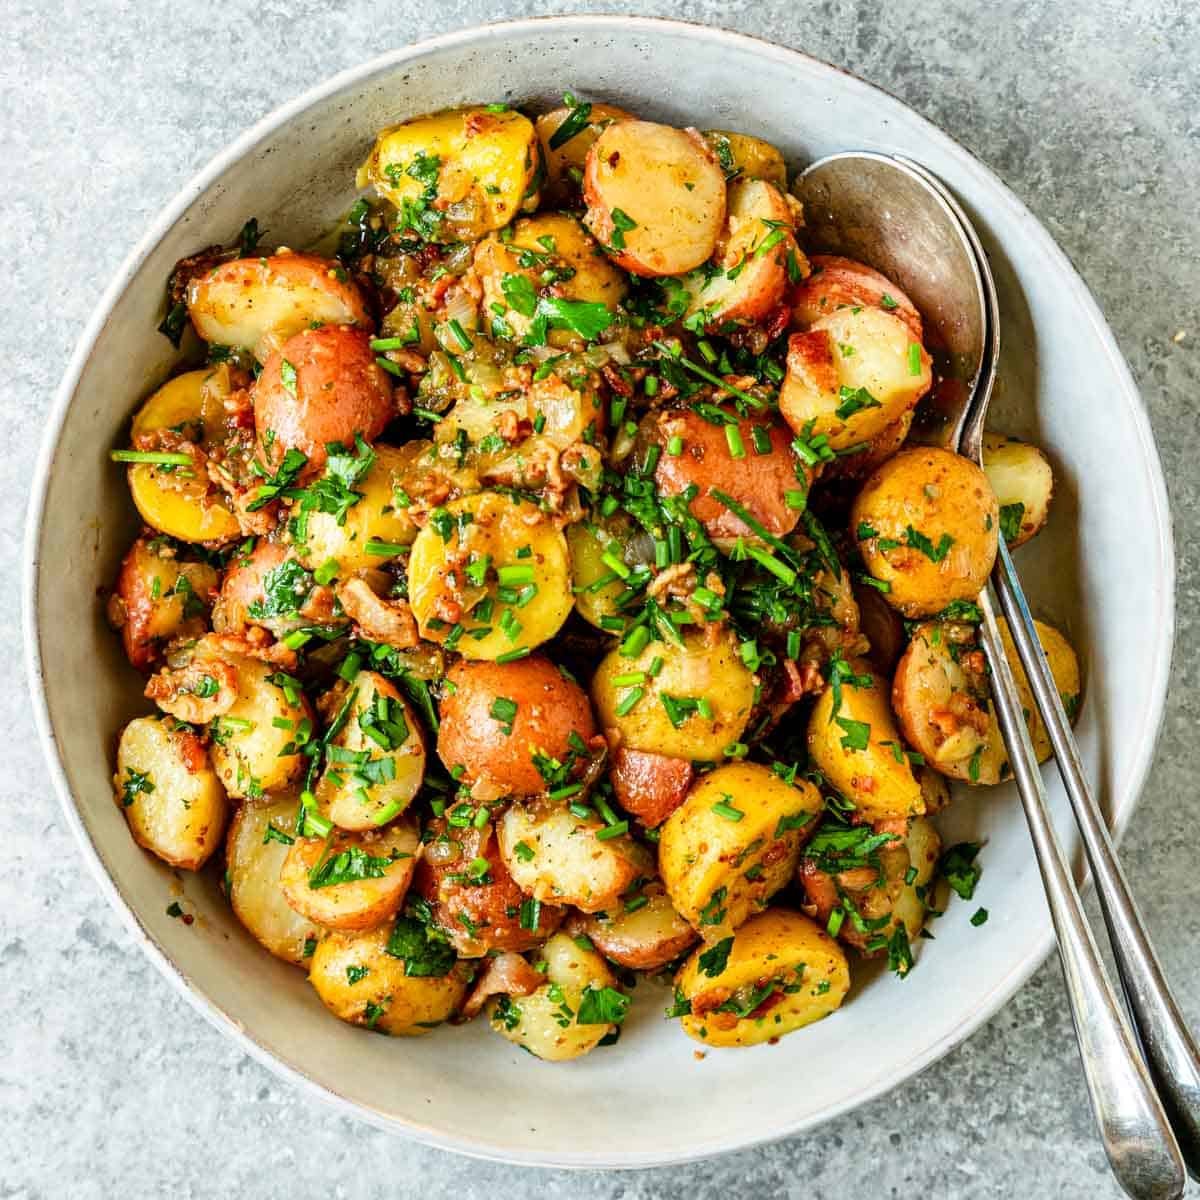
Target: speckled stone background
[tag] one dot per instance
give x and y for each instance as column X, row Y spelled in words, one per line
column 109, row 1084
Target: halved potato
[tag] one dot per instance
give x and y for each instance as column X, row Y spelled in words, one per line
column 492, row 529
column 638, row 699
column 351, row 880
column 258, row 303
column 743, row 156
column 927, row 524
column 554, row 855
column 642, row 934
column 361, row 982
column 170, row 796
column 837, row 283
column 548, row 1023
column 649, row 786
column 748, row 275
column 655, row 197
column 457, row 175
column 255, row 848
column 881, row 626
column 566, row 157
column 1023, row 480
column 597, row 585
column 267, row 587
column 858, row 749
column 851, row 375
column 376, row 761
column 780, row 972
column 733, row 844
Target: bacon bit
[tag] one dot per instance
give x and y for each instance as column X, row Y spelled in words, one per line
column 252, row 645
column 513, row 428
column 765, row 1007
column 319, row 607
column 616, row 380
column 507, row 974
column 387, row 621
column 191, row 750
column 712, row 999
column 174, row 690
column 677, row 581
column 699, row 1055
column 864, row 783
column 974, row 661
column 803, row 679
column 776, row 322
column 775, row 852
column 447, row 609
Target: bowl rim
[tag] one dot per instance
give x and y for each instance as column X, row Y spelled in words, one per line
column 159, row 228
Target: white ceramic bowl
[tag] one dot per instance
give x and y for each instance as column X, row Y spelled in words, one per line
column 1104, row 570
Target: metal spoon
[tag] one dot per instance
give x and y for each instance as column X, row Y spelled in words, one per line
column 893, row 216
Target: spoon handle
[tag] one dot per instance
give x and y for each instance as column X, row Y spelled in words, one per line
column 1137, row 1137
column 1169, row 1047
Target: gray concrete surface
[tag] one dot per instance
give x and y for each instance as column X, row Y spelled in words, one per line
column 109, row 1084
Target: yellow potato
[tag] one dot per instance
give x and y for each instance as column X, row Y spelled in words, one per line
column 359, row 981
column 858, row 748
column 733, row 844
column 546, row 1023
column 747, row 157
column 655, row 197
column 562, row 860
column 259, row 836
column 170, row 796
column 1064, row 667
column 695, row 671
column 927, row 523
column 566, row 159
column 851, row 375
column 376, row 761
column 351, row 880
column 1021, row 477
column 782, row 972
column 258, row 303
column 184, row 508
column 642, row 937
column 455, row 176
column 491, row 529
column 587, row 542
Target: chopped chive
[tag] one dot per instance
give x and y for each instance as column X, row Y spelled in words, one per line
column 675, row 446
column 761, row 436
column 914, row 358
column 733, row 437
column 707, row 352
column 615, row 563
column 796, row 498
column 629, row 700
column 629, row 679
column 780, row 570
column 515, row 576
column 793, row 643
column 704, row 708
column 379, row 549
column 159, row 458
column 650, row 385
column 835, row 921
column 460, row 334
column 724, row 809
column 512, row 655
column 392, row 343
column 391, row 368
column 656, row 665
column 635, row 642
column 612, row 831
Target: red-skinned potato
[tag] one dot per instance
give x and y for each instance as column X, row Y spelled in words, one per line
column 649, row 786
column 496, row 717
column 655, row 195
column 838, row 282
column 321, row 386
column 479, row 910
column 259, row 303
column 760, row 482
column 267, row 587
column 564, row 162
column 643, row 938
column 158, row 597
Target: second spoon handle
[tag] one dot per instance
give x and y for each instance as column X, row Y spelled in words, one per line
column 1137, row 1137
column 1170, row 1049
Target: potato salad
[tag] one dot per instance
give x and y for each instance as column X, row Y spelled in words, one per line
column 541, row 600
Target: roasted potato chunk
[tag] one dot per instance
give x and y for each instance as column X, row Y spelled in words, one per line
column 597, row 585
column 733, row 844
column 512, row 550
column 662, row 711
column 1023, row 480
column 267, row 587
column 643, row 933
column 655, row 197
column 838, row 283
column 361, row 978
column 565, row 151
column 779, row 972
column 927, row 524
column 571, row 1013
column 351, row 880
column 170, row 796
column 649, row 786
column 258, row 303
column 853, row 741
column 743, row 156
column 456, row 176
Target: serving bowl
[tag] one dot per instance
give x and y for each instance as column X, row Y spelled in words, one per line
column 1103, row 571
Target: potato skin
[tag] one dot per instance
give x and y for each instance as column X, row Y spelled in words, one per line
column 540, row 1022
column 160, row 597
column 381, row 996
column 759, row 482
column 838, row 282
column 550, row 709
column 564, row 861
column 644, row 171
column 359, row 903
column 645, row 939
column 333, row 390
column 478, row 917
column 171, row 798
column 694, row 669
column 936, row 495
column 718, row 871
column 243, row 600
column 649, row 786
column 259, row 303
column 1064, row 666
column 881, row 626
column 253, row 859
column 806, row 966
column 1020, row 475
column 880, row 787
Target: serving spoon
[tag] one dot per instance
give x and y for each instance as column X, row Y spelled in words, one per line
column 895, row 216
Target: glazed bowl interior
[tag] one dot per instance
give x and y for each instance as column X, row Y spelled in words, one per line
column 1102, row 571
